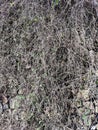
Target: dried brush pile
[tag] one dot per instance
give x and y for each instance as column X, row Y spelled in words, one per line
column 48, row 64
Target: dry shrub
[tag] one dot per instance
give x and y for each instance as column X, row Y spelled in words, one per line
column 45, row 46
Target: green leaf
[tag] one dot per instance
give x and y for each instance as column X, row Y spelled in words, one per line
column 84, row 117
column 56, row 2
column 20, row 97
column 96, row 82
column 36, row 19
column 87, row 112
